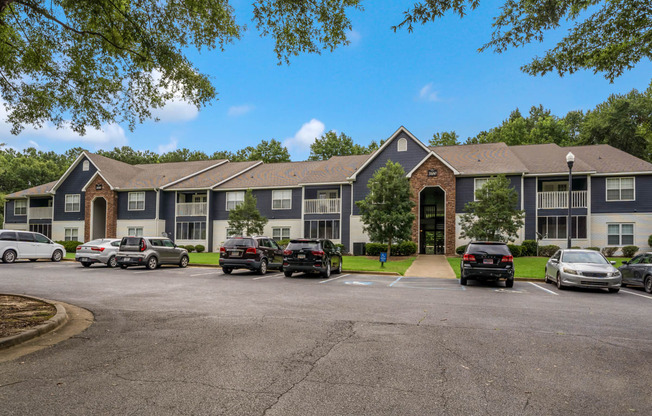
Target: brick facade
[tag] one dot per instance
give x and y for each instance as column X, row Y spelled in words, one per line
column 445, row 179
column 111, row 198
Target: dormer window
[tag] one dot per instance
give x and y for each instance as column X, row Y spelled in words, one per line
column 401, row 146
column 85, row 165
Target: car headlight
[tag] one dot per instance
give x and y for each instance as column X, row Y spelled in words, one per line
column 571, row 271
column 614, row 274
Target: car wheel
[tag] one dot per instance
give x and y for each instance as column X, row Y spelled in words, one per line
column 339, row 267
column 9, row 256
column 184, row 262
column 123, row 266
column 86, row 264
column 287, row 273
column 509, row 282
column 263, row 267
column 547, row 279
column 227, row 270
column 648, row 284
column 112, row 262
column 613, row 289
column 57, row 255
column 560, row 286
column 327, row 273
column 152, row 263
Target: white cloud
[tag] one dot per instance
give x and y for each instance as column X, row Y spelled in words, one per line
column 33, row 144
column 305, row 136
column 354, row 37
column 176, row 109
column 239, row 110
column 172, row 145
column 428, row 94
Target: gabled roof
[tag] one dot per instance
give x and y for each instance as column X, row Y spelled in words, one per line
column 213, row 176
column 40, row 190
column 607, row 159
column 336, row 169
column 481, row 159
column 549, row 158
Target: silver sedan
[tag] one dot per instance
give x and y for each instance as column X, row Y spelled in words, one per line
column 102, row 250
column 582, row 268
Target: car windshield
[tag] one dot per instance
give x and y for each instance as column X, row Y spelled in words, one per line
column 592, row 257
column 239, row 242
column 489, row 249
column 303, row 245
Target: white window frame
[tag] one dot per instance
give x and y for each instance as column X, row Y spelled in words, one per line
column 69, row 233
column 86, row 165
column 275, row 198
column 401, row 145
column 280, row 230
column 22, row 207
column 135, row 231
column 135, row 198
column 620, row 233
column 72, row 203
column 476, row 187
column 620, row 188
column 235, row 198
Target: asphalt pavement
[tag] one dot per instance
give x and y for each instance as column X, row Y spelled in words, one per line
column 195, row 341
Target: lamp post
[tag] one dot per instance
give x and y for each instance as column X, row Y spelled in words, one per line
column 570, row 159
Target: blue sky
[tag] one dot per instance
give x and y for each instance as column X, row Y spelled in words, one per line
column 429, row 81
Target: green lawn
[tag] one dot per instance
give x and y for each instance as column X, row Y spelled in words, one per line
column 371, row 264
column 526, row 267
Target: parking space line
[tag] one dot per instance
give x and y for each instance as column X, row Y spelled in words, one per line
column 395, row 281
column 637, row 294
column 267, row 275
column 205, row 274
column 543, row 288
column 334, row 278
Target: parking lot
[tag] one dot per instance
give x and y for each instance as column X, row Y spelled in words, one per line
column 196, row 341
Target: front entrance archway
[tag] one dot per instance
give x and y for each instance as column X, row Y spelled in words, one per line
column 98, row 218
column 432, row 220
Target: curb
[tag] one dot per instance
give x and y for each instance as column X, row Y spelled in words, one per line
column 59, row 319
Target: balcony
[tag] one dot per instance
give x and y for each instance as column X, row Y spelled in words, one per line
column 552, row 200
column 192, row 209
column 321, row 206
column 40, row 213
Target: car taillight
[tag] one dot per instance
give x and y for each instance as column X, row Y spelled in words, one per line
column 251, row 250
column 97, row 248
column 507, row 259
column 143, row 245
column 469, row 257
column 222, row 249
column 287, row 252
column 318, row 253
column 78, row 247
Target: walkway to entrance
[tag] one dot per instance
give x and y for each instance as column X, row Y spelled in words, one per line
column 430, row 266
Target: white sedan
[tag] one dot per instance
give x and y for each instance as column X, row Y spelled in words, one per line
column 582, row 268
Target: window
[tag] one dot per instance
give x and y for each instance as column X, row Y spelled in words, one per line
column 135, row 231
column 322, row 229
column 620, row 234
column 479, row 183
column 41, row 238
column 136, row 201
column 8, row 236
column 168, row 243
column 282, row 199
column 72, row 203
column 233, row 199
column 85, row 165
column 20, row 207
column 191, row 230
column 45, row 229
column 620, row 189
column 555, row 227
column 71, row 234
column 281, row 233
column 401, row 146
column 25, row 237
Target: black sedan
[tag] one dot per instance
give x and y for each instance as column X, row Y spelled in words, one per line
column 312, row 256
column 638, row 272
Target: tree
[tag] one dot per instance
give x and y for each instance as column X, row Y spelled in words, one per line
column 493, row 216
column 245, row 219
column 386, row 211
column 182, row 155
column 608, row 36
column 330, row 144
column 113, row 61
column 269, row 152
column 445, row 138
column 128, row 155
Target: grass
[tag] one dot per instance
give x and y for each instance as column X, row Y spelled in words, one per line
column 371, row 264
column 526, row 267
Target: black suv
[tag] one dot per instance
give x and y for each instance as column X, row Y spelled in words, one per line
column 253, row 253
column 312, row 255
column 487, row 261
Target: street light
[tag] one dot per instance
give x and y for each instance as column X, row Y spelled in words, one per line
column 570, row 159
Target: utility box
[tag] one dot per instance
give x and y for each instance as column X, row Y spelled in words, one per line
column 359, row 249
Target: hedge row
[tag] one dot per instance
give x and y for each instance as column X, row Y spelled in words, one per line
column 404, row 248
column 198, row 248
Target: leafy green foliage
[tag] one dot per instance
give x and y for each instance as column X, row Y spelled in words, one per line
column 407, row 248
column 330, row 144
column 629, row 251
column 374, row 249
column 70, row 246
column 460, row 249
column 609, row 251
column 649, row 241
column 445, row 138
column 269, row 152
column 386, row 211
column 493, row 217
column 593, row 248
column 548, row 251
column 529, row 248
column 515, row 250
column 245, row 219
column 200, row 248
column 2, row 209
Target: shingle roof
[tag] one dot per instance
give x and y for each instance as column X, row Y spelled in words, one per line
column 213, row 176
column 608, row 159
column 39, row 190
column 336, row 169
column 486, row 158
column 549, row 158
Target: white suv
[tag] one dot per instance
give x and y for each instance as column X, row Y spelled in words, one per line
column 28, row 245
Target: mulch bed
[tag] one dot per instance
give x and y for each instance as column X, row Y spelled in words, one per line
column 19, row 314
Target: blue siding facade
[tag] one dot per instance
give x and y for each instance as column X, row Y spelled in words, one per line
column 166, row 212
column 346, row 217
column 530, row 207
column 149, row 213
column 642, row 202
column 10, row 218
column 465, row 187
column 263, row 203
column 73, row 184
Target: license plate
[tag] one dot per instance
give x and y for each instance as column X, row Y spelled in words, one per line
column 235, row 253
column 487, row 261
column 301, row 256
column 126, row 259
column 83, row 259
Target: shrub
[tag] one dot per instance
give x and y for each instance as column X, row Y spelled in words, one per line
column 460, row 250
column 283, row 243
column 374, row 249
column 199, row 248
column 576, row 247
column 515, row 250
column 649, row 240
column 609, row 251
column 529, row 248
column 547, row 251
column 190, row 248
column 629, row 251
column 593, row 248
column 340, row 247
column 407, row 248
column 70, row 246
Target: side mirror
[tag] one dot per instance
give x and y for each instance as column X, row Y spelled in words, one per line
column 612, row 262
column 624, row 263
column 176, row 246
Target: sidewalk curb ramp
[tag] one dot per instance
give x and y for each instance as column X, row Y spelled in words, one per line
column 58, row 320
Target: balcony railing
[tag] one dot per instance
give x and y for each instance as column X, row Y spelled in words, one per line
column 322, row 206
column 192, row 209
column 549, row 200
column 40, row 213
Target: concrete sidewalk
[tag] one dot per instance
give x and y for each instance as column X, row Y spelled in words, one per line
column 428, row 265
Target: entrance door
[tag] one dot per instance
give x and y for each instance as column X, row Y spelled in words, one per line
column 98, row 227
column 432, row 221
